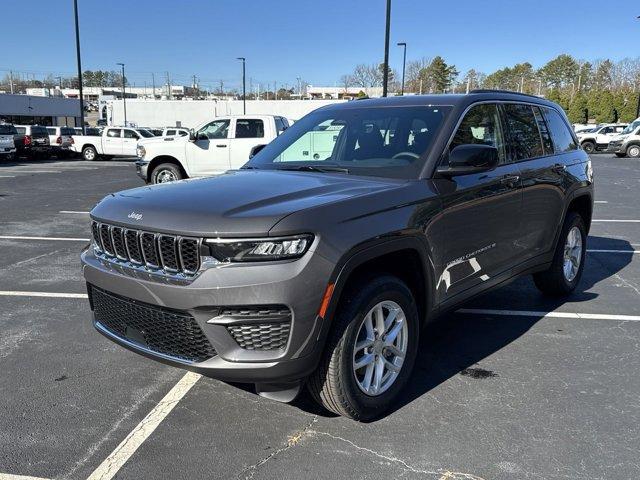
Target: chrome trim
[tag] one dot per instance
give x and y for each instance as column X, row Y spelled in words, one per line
column 263, row 239
column 104, row 248
column 136, row 346
column 198, row 245
column 113, row 242
column 159, row 238
column 126, row 245
column 155, row 244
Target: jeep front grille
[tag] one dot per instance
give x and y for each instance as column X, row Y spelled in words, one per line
column 170, row 253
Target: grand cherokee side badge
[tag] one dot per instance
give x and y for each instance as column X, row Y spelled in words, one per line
column 135, row 216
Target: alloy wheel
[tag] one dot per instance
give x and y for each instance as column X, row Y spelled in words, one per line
column 165, row 176
column 572, row 254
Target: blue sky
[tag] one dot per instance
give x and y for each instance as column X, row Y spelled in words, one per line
column 317, row 40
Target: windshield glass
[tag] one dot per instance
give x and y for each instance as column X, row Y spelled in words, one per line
column 631, row 127
column 377, row 141
column 8, row 130
column 145, row 133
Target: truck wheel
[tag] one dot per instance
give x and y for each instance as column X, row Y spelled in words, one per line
column 89, row 153
column 370, row 351
column 633, row 151
column 588, row 146
column 565, row 271
column 166, row 172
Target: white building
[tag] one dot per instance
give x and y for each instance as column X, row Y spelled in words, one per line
column 39, row 110
column 342, row 92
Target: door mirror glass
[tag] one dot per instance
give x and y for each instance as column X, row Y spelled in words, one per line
column 470, row 158
column 255, row 150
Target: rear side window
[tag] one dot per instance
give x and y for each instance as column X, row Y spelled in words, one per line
column 525, row 141
column 544, row 131
column 51, row 131
column 113, row 132
column 560, row 134
column 481, row 125
column 171, row 132
column 249, row 128
column 8, row 130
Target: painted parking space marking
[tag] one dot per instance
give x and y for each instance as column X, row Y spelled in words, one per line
column 571, row 315
column 55, row 239
column 8, row 476
column 74, row 212
column 601, row 220
column 114, row 462
column 600, row 201
column 18, row 293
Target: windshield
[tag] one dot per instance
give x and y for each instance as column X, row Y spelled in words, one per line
column 631, row 127
column 8, row 130
column 377, row 141
column 146, row 133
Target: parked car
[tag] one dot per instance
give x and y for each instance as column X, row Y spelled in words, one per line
column 175, row 131
column 215, row 147
column 321, row 271
column 627, row 145
column 598, row 139
column 7, row 143
column 33, row 141
column 114, row 142
column 60, row 140
column 89, row 131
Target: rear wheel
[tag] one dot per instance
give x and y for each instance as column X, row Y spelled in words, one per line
column 563, row 275
column 89, row 153
column 166, row 172
column 633, row 151
column 370, row 351
column 589, row 146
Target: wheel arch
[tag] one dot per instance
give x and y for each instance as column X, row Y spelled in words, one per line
column 582, row 204
column 164, row 159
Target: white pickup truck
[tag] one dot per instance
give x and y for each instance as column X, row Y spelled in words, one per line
column 212, row 148
column 114, row 142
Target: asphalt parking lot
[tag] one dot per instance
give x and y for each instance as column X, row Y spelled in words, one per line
column 515, row 386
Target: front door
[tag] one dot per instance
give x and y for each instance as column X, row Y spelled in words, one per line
column 209, row 153
column 112, row 142
column 248, row 133
column 480, row 219
column 129, row 142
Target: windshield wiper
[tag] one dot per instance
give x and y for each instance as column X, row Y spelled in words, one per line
column 315, row 168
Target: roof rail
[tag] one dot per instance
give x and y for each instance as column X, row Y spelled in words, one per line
column 488, row 90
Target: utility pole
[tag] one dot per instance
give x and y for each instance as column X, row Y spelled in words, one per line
column 75, row 12
column 244, row 85
column 404, row 62
column 168, row 86
column 275, row 91
column 124, row 95
column 385, row 73
column 221, row 88
column 153, row 84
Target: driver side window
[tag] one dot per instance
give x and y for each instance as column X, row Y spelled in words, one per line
column 481, row 125
column 214, row 130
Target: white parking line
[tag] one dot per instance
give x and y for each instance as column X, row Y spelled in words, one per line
column 600, row 201
column 600, row 220
column 114, row 462
column 7, row 176
column 17, row 293
column 56, row 239
column 527, row 313
column 8, row 476
column 74, row 212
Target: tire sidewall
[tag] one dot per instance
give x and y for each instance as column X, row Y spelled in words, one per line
column 385, row 288
column 89, row 149
column 633, row 151
column 574, row 220
column 588, row 146
column 165, row 166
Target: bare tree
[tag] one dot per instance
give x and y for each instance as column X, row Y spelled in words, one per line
column 366, row 76
column 346, row 81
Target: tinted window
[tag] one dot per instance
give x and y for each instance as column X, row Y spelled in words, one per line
column 113, row 132
column 51, row 131
column 525, row 141
column 21, row 130
column 67, row 131
column 215, row 129
column 145, row 133
column 182, row 133
column 560, row 134
column 249, row 128
column 279, row 125
column 8, row 130
column 544, row 131
column 39, row 131
column 171, row 132
column 606, row 130
column 481, row 125
column 131, row 134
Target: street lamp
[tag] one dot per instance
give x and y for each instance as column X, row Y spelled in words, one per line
column 124, row 95
column 404, row 62
column 75, row 12
column 385, row 73
column 244, row 85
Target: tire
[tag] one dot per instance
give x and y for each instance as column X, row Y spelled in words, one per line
column 89, row 153
column 166, row 172
column 588, row 146
column 555, row 281
column 335, row 384
column 633, row 151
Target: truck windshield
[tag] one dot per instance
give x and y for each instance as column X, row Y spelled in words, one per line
column 631, row 127
column 145, row 133
column 378, row 141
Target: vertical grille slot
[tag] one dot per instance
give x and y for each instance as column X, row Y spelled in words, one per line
column 119, row 248
column 149, row 249
column 168, row 252
column 95, row 232
column 133, row 246
column 105, row 236
column 189, row 254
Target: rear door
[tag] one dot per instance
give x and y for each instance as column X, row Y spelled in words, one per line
column 481, row 212
column 112, row 142
column 248, row 133
column 66, row 134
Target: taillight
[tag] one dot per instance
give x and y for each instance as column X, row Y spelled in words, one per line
column 59, row 140
column 71, row 141
column 27, row 140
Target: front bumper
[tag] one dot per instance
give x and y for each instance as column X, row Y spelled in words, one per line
column 615, row 147
column 299, row 285
column 141, row 169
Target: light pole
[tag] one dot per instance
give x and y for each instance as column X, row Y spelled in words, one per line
column 244, row 85
column 404, row 62
column 124, row 95
column 385, row 72
column 75, row 12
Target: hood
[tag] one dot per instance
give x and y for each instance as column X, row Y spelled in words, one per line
column 237, row 203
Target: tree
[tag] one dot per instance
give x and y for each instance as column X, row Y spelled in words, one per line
column 438, row 76
column 346, row 81
column 561, row 71
column 412, row 74
column 366, row 76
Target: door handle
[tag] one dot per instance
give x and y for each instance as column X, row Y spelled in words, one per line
column 221, row 146
column 510, row 180
column 559, row 168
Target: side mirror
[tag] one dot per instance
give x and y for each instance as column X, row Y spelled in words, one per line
column 469, row 158
column 192, row 135
column 255, row 150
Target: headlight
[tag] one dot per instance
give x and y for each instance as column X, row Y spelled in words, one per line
column 259, row 250
column 140, row 151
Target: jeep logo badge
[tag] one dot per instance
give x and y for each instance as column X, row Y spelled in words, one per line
column 135, row 216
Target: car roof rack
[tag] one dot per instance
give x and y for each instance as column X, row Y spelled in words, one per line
column 511, row 92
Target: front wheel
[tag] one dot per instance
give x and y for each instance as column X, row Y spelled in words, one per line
column 370, row 351
column 166, row 172
column 589, row 146
column 89, row 154
column 565, row 271
column 633, row 151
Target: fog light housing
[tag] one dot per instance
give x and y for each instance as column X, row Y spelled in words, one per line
column 260, row 249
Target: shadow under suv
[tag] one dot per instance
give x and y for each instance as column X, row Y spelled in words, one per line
column 318, row 262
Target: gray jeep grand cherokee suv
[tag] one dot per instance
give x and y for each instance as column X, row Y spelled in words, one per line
column 320, row 260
